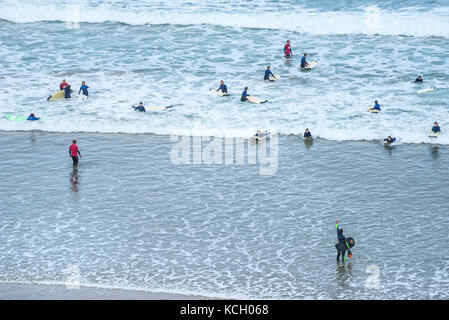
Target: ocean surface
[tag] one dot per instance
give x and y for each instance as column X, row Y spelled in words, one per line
column 132, row 218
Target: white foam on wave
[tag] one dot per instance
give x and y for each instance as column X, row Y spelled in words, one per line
column 368, row 20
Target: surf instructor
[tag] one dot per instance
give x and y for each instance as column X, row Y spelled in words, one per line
column 288, row 53
column 74, row 152
column 63, row 84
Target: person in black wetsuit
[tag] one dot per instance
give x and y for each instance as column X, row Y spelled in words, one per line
column 67, row 92
column 342, row 240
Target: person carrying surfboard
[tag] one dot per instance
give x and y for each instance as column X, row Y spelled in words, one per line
column 74, row 152
column 140, row 108
column 303, row 61
column 268, row 73
column 436, row 128
column 63, row 84
column 223, row 87
column 84, row 89
column 288, row 50
column 343, row 245
column 244, row 94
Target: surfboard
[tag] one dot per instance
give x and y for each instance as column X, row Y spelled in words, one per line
column 19, row 118
column 254, row 99
column 157, row 108
column 307, row 138
column 56, row 95
column 15, row 118
column 433, row 135
column 263, row 135
column 426, row 90
column 276, row 77
column 311, row 65
column 82, row 96
column 370, row 109
column 219, row 93
column 341, row 246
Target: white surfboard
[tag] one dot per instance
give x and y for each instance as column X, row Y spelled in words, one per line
column 311, row 65
column 82, row 97
column 254, row 99
column 276, row 77
column 426, row 90
column 263, row 135
column 370, row 109
column 219, row 93
column 157, row 108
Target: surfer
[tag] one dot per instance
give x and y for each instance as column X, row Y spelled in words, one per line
column 436, row 128
column 32, row 117
column 244, row 94
column 84, row 89
column 419, row 79
column 74, row 152
column 223, row 87
column 389, row 139
column 307, row 134
column 63, row 84
column 288, row 50
column 376, row 106
column 342, row 245
column 140, row 108
column 67, row 92
column 303, row 61
column 268, row 73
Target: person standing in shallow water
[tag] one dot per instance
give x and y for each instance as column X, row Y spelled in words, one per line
column 74, row 152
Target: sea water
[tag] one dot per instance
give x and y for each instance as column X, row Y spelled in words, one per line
column 130, row 217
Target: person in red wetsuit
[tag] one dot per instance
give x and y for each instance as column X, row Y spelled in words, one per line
column 288, row 49
column 74, row 152
column 63, row 85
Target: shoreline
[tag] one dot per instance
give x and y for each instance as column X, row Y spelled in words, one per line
column 22, row 291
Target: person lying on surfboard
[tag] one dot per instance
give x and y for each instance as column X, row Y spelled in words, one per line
column 389, row 139
column 376, row 106
column 32, row 117
column 223, row 87
column 436, row 128
column 140, row 108
column 244, row 94
column 268, row 73
column 303, row 61
column 419, row 79
column 288, row 50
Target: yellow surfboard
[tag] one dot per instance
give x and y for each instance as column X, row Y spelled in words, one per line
column 56, row 95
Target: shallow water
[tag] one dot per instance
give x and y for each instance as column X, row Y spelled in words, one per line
column 131, row 218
